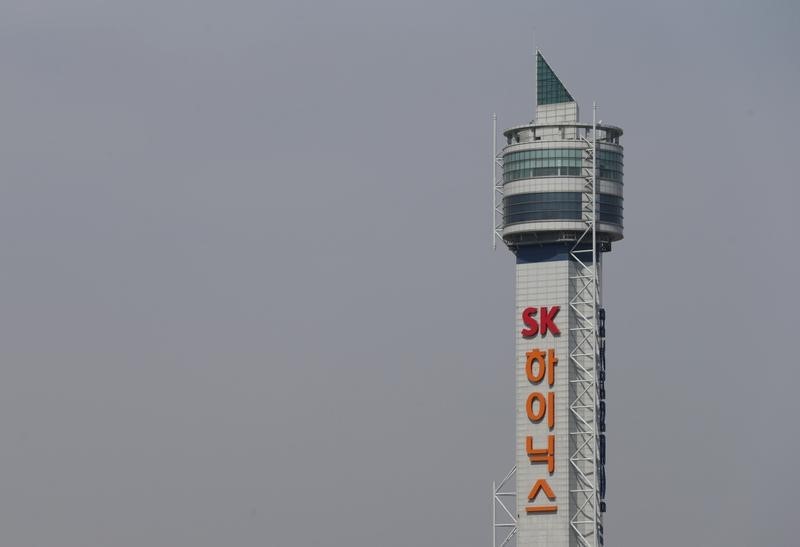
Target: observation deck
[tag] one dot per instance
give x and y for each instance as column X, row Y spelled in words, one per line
column 546, row 165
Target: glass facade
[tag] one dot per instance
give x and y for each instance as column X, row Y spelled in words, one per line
column 565, row 162
column 609, row 165
column 555, row 162
column 542, row 206
column 610, row 209
column 549, row 89
column 558, row 206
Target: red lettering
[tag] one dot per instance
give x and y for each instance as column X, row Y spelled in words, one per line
column 546, row 321
column 546, row 318
column 530, row 322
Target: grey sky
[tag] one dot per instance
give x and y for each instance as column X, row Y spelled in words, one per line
column 248, row 296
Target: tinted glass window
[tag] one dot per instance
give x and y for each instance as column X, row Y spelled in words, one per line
column 559, row 162
column 558, row 206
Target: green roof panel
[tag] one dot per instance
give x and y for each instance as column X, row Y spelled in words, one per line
column 549, row 89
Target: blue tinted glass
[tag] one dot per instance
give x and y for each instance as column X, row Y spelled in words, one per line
column 558, row 206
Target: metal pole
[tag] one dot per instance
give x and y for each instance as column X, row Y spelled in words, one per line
column 594, row 194
column 494, row 186
column 494, row 490
column 535, row 76
column 596, row 503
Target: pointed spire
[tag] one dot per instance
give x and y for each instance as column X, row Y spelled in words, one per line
column 549, row 89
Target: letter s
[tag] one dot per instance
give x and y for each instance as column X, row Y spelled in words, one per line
column 530, row 322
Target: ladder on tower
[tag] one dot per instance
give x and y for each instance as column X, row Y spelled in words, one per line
column 585, row 517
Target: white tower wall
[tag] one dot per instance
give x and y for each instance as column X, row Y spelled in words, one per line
column 543, row 284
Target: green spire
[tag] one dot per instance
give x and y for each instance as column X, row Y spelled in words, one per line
column 549, row 89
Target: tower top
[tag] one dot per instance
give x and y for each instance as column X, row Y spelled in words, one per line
column 554, row 104
column 549, row 163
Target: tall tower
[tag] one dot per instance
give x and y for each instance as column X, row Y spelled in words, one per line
column 558, row 208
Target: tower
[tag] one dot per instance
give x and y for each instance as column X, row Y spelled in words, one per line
column 558, row 208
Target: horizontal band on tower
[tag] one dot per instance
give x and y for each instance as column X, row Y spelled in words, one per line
column 534, row 207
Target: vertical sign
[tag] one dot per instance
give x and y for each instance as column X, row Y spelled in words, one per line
column 540, row 405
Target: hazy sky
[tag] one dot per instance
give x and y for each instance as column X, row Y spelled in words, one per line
column 248, row 296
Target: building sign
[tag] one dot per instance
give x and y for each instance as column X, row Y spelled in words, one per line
column 540, row 406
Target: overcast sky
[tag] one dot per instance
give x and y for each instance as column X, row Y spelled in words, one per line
column 248, row 295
